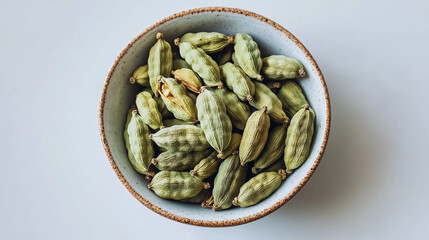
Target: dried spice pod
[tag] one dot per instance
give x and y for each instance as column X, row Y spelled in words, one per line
column 265, row 97
column 276, row 166
column 227, row 183
column 161, row 106
column 179, row 161
column 172, row 122
column 188, row 78
column 237, row 81
column 148, row 110
column 160, row 62
column 248, row 55
column 225, row 55
column 279, row 67
column 180, row 63
column 199, row 198
column 182, row 138
column 126, row 136
column 292, row 97
column 258, row 188
column 209, row 42
column 176, row 185
column 274, row 86
column 234, row 59
column 273, row 149
column 141, row 76
column 298, row 138
column 140, row 144
column 237, row 111
column 200, row 62
column 214, row 120
column 206, row 167
column 177, row 99
column 254, row 136
column 232, row 146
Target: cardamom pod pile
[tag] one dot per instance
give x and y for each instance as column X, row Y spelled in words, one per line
column 215, row 123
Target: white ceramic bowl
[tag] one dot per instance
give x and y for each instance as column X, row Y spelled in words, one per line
column 118, row 95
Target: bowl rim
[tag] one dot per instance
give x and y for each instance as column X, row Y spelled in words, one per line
column 224, row 223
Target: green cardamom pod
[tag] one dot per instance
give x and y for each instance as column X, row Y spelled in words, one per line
column 232, row 146
column 160, row 62
column 140, row 144
column 227, row 183
column 278, row 67
column 179, row 161
column 172, row 122
column 188, row 78
column 273, row 149
column 292, row 97
column 200, row 62
column 199, row 198
column 258, row 188
column 176, row 185
column 237, row 81
column 237, row 111
column 274, row 86
column 213, row 119
column 234, row 59
column 254, row 136
column 177, row 99
column 161, row 106
column 206, row 167
column 248, row 55
column 126, row 136
column 210, row 42
column 265, row 97
column 276, row 166
column 182, row 138
column 148, row 109
column 141, row 76
column 180, row 63
column 225, row 55
column 298, row 138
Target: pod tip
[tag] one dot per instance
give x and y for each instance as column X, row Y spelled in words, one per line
column 235, row 202
column 301, row 73
column 132, row 80
column 159, row 35
column 177, row 41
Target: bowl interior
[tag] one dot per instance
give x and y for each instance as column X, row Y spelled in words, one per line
column 120, row 95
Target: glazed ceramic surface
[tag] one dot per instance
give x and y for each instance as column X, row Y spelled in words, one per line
column 119, row 95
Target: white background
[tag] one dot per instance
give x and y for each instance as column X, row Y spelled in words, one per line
column 56, row 181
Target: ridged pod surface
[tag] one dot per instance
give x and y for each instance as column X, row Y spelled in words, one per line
column 206, row 167
column 273, row 150
column 176, row 185
column 210, row 42
column 172, row 122
column 227, row 183
column 248, row 55
column 276, row 166
column 299, row 137
column 214, row 119
column 183, row 138
column 160, row 62
column 161, row 105
column 237, row 81
column 148, row 110
column 140, row 145
column 179, row 161
column 292, row 97
column 200, row 62
column 254, row 136
column 237, row 111
column 126, row 136
column 232, row 146
column 265, row 97
column 199, row 198
column 180, row 63
column 188, row 78
column 279, row 67
column 141, row 76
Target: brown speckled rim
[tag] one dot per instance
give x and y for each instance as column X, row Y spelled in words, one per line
column 235, row 221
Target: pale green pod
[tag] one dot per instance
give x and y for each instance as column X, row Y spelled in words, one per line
column 248, row 55
column 179, row 161
column 176, row 185
column 199, row 198
column 141, row 76
column 265, row 97
column 214, row 120
column 292, row 97
column 225, row 55
column 210, row 42
column 227, row 183
column 258, row 188
column 273, row 149
column 232, row 146
column 298, row 138
column 160, row 62
column 140, row 144
column 279, row 67
column 206, row 167
column 161, row 106
column 180, row 63
column 172, row 122
column 126, row 136
column 254, row 136
column 200, row 62
column 234, row 59
column 188, row 78
column 177, row 99
column 148, row 110
column 182, row 138
column 237, row 111
column 236, row 80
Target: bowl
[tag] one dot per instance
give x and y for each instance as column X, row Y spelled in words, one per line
column 118, row 95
